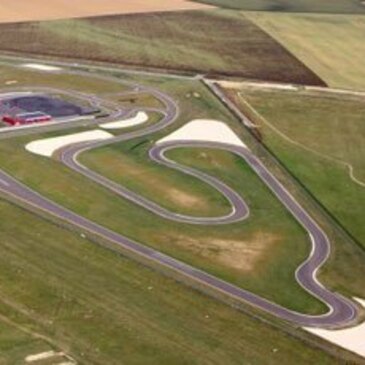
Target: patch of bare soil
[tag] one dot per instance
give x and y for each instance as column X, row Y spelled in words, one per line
column 183, row 198
column 243, row 255
column 33, row 10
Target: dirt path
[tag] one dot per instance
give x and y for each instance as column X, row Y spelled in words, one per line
column 25, row 10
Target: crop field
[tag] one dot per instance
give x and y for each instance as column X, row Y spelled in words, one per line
column 323, row 147
column 210, row 42
column 297, row 6
column 24, row 10
column 102, row 308
column 330, row 45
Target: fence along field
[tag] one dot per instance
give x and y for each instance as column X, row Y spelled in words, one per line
column 25, row 10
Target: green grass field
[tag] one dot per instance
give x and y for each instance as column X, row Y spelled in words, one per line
column 297, row 6
column 330, row 45
column 102, row 308
column 223, row 42
column 315, row 144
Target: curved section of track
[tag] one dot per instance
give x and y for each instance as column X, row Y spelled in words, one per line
column 239, row 211
column 341, row 310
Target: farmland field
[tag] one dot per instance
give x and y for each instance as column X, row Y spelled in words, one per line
column 213, row 42
column 318, row 146
column 297, row 6
column 331, row 45
column 25, row 10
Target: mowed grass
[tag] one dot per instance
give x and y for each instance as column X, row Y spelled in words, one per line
column 297, row 6
column 319, row 132
column 102, row 308
column 223, row 42
column 330, row 45
column 258, row 255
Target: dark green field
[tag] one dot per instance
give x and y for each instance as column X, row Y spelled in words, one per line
column 209, row 42
column 295, row 6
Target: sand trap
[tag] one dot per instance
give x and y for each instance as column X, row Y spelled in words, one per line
column 46, row 147
column 352, row 339
column 140, row 118
column 40, row 67
column 204, row 130
column 28, row 10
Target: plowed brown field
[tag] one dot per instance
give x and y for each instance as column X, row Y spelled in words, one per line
column 25, row 10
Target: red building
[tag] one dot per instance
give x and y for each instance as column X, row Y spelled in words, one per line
column 27, row 118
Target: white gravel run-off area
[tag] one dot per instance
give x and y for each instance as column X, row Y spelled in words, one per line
column 41, row 356
column 139, row 118
column 205, row 130
column 259, row 85
column 46, row 147
column 41, row 67
column 352, row 339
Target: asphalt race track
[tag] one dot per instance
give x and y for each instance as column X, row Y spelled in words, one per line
column 341, row 310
